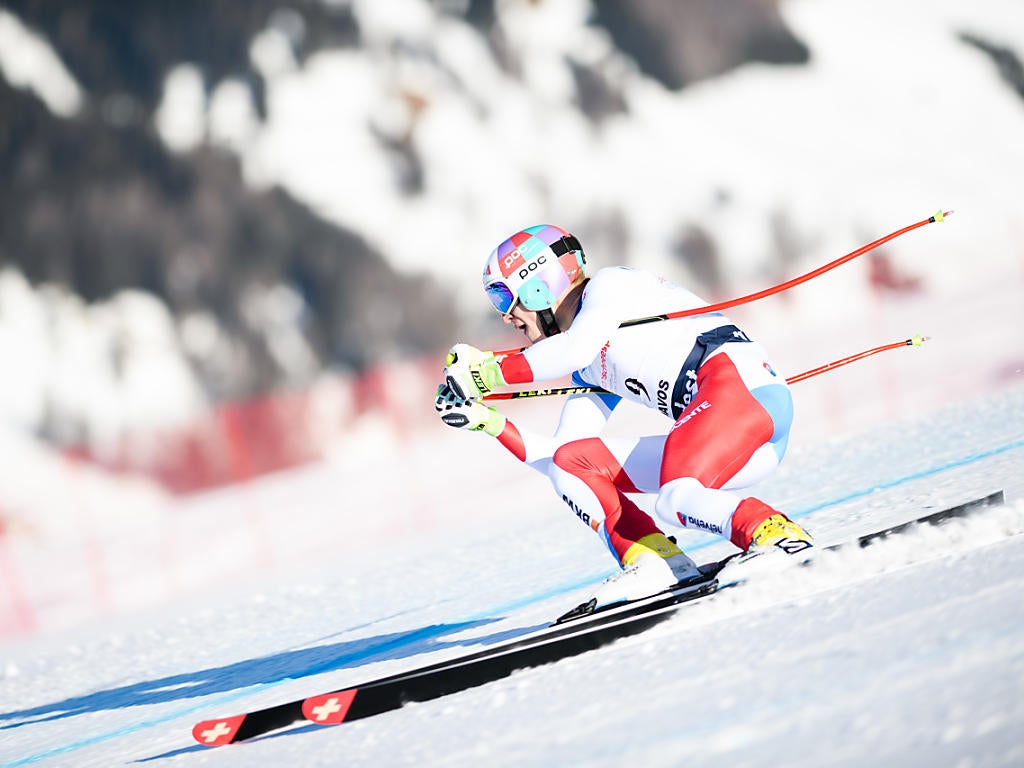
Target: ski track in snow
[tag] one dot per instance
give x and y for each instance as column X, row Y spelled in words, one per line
column 908, row 652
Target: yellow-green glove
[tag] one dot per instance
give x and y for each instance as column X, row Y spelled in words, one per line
column 471, row 373
column 466, row 414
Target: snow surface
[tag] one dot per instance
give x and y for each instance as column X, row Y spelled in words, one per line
column 908, row 653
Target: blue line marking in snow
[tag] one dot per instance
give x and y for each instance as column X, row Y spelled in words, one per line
column 497, row 610
column 127, row 729
column 887, row 484
column 407, row 638
column 914, row 476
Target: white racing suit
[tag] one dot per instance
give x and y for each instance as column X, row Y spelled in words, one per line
column 730, row 411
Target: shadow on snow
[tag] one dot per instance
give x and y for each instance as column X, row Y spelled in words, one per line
column 270, row 669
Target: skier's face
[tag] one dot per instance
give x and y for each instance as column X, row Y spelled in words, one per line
column 526, row 321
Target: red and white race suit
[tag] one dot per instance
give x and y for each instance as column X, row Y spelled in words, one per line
column 730, row 413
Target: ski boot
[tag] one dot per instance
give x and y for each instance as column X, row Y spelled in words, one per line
column 780, row 532
column 652, row 565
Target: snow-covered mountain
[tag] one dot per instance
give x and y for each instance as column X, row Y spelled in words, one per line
column 428, row 138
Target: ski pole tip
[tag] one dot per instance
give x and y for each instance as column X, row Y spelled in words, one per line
column 940, row 215
column 916, row 341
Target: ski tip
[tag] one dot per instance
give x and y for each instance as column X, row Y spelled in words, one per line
column 215, row 733
column 328, row 708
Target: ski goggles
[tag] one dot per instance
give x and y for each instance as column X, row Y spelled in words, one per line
column 501, row 296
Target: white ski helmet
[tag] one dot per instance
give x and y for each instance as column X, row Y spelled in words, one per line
column 533, row 267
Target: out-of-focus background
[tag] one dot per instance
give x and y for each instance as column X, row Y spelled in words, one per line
column 236, row 238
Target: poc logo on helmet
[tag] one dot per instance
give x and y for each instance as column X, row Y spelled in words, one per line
column 538, row 262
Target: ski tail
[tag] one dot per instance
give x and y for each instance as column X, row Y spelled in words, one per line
column 228, row 730
column 329, row 708
column 216, row 733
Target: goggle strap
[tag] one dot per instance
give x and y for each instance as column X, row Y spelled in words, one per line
column 563, row 245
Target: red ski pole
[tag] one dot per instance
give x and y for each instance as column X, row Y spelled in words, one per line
column 722, row 305
column 913, row 341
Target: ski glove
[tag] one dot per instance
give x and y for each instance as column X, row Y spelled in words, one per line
column 467, row 414
column 471, row 373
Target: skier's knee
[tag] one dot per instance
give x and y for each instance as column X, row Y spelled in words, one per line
column 676, row 498
column 577, row 456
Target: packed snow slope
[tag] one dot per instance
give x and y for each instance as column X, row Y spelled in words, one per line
column 910, row 652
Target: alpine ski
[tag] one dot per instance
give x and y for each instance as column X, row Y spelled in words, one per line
column 576, row 632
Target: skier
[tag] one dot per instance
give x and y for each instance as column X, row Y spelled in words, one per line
column 731, row 411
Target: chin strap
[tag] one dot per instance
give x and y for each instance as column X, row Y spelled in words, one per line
column 546, row 317
column 548, row 325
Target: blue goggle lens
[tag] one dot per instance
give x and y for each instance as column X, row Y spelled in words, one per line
column 501, row 297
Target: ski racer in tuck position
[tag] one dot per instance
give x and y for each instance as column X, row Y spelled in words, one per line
column 730, row 410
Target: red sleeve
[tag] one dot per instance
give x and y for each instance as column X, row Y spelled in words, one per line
column 516, row 370
column 512, row 440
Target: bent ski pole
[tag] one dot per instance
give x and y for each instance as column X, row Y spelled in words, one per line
column 939, row 216
column 913, row 341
